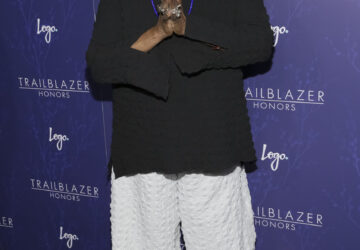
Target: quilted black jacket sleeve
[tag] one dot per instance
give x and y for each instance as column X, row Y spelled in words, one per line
column 111, row 59
column 241, row 27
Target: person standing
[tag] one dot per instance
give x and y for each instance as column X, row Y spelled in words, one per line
column 181, row 136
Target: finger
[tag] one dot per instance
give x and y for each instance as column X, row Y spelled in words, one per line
column 168, row 13
column 173, row 3
column 163, row 5
column 166, row 3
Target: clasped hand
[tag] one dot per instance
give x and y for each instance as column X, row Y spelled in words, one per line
column 168, row 23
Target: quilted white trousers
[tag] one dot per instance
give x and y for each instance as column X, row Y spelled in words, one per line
column 215, row 212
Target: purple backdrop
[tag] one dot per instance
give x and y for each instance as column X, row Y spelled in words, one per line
column 56, row 130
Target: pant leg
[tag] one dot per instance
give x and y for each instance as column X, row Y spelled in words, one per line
column 216, row 211
column 144, row 213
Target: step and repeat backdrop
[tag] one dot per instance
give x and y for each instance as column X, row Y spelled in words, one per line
column 56, row 129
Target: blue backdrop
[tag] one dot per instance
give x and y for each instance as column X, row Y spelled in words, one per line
column 56, row 130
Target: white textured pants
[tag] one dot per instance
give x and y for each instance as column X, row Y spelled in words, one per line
column 215, row 212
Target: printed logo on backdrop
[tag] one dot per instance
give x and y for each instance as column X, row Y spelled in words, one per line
column 6, row 222
column 70, row 238
column 59, row 139
column 286, row 219
column 45, row 30
column 64, row 191
column 273, row 157
column 53, row 88
column 278, row 31
column 282, row 100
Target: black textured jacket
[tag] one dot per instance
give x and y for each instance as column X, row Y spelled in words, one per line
column 180, row 107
